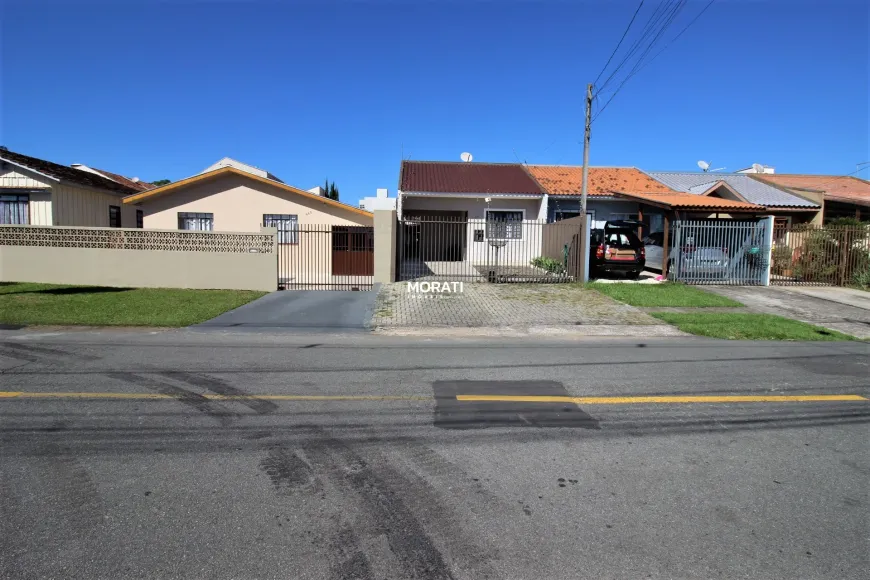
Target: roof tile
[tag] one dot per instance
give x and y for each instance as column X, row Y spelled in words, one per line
column 838, row 188
column 456, row 177
column 566, row 180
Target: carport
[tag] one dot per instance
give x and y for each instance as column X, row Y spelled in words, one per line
column 682, row 207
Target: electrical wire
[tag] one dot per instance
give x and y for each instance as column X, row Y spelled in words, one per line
column 651, row 24
column 640, row 65
column 618, row 44
column 640, row 62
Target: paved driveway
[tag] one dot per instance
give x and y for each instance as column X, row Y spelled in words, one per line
column 316, row 310
column 842, row 309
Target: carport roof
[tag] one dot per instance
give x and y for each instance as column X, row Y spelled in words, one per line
column 692, row 202
column 458, row 177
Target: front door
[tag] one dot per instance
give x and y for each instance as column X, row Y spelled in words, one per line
column 353, row 251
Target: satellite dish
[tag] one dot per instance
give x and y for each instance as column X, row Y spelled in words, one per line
column 466, row 157
column 757, row 168
column 703, row 165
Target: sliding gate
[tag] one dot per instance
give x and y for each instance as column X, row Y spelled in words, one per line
column 325, row 257
column 721, row 252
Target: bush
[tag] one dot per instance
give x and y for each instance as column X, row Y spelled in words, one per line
column 781, row 258
column 817, row 257
column 548, row 264
column 862, row 278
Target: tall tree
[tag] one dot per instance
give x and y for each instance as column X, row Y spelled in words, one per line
column 330, row 191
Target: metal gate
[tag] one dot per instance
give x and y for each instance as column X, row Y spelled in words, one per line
column 448, row 248
column 720, row 252
column 325, row 257
column 821, row 256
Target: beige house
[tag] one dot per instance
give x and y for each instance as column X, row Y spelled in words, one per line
column 320, row 240
column 34, row 191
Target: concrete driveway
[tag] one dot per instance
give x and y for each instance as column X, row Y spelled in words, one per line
column 842, row 309
column 295, row 310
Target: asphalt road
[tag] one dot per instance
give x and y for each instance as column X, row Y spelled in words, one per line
column 175, row 473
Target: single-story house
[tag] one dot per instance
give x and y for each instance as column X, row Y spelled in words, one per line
column 786, row 207
column 34, row 191
column 842, row 196
column 454, row 202
column 319, row 238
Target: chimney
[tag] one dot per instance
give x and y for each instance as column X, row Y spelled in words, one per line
column 382, row 193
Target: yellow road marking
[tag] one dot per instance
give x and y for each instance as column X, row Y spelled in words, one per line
column 662, row 399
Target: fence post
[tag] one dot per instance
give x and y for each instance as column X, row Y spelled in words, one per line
column 385, row 246
column 768, row 248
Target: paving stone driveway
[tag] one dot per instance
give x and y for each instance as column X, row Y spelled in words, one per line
column 503, row 305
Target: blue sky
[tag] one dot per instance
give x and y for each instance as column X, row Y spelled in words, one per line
column 338, row 90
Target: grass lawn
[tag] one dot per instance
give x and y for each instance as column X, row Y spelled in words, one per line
column 740, row 326
column 666, row 294
column 51, row 304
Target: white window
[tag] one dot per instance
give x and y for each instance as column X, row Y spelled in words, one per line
column 203, row 222
column 288, row 226
column 504, row 224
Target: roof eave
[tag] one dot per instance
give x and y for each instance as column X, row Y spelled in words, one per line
column 170, row 187
column 30, row 169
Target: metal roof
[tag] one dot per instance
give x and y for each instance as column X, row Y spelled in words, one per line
column 750, row 189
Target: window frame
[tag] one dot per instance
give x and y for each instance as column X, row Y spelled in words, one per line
column 22, row 202
column 488, row 224
column 286, row 235
column 201, row 217
column 117, row 212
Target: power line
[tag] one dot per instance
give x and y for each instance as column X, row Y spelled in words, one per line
column 618, row 44
column 647, row 29
column 641, row 64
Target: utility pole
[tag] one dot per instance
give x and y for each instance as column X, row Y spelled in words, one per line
column 584, row 246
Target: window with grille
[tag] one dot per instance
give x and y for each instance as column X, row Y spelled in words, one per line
column 287, row 225
column 114, row 216
column 15, row 209
column 140, row 219
column 504, row 224
column 202, row 222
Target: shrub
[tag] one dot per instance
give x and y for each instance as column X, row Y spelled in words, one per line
column 548, row 264
column 862, row 278
column 781, row 258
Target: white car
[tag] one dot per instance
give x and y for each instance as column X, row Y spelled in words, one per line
column 654, row 250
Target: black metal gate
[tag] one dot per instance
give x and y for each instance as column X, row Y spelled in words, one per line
column 326, row 257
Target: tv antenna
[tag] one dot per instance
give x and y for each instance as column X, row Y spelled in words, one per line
column 466, row 157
